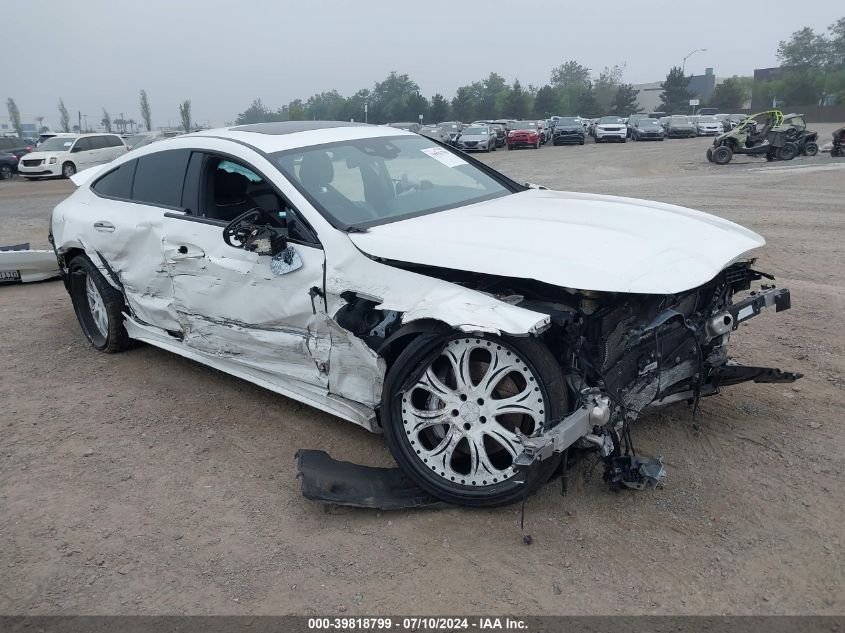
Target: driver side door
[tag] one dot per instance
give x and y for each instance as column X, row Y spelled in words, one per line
column 229, row 302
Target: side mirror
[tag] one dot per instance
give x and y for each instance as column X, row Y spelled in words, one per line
column 286, row 261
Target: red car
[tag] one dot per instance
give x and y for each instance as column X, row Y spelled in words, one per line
column 524, row 134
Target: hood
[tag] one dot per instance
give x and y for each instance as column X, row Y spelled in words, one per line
column 473, row 137
column 681, row 124
column 574, row 127
column 572, row 240
column 36, row 155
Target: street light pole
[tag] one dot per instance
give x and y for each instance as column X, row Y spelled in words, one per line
column 684, row 65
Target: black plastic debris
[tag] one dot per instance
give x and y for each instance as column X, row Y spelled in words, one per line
column 343, row 483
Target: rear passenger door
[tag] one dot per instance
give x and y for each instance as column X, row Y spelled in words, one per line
column 82, row 153
column 128, row 227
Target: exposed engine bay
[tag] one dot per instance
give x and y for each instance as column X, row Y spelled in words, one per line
column 622, row 354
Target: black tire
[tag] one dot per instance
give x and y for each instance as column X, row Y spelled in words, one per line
column 68, row 169
column 30, row 178
column 423, row 352
column 5, row 172
column 113, row 337
column 722, row 155
column 623, row 140
column 537, row 145
column 811, row 149
column 788, row 151
column 581, row 142
column 710, row 154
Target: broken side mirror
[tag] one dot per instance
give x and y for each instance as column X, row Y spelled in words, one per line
column 254, row 231
column 286, row 261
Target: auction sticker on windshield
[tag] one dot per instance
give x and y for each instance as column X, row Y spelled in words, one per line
column 444, row 156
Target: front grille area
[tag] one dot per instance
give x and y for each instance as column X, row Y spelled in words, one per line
column 32, row 162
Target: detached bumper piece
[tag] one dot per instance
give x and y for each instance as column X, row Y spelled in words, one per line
column 344, row 483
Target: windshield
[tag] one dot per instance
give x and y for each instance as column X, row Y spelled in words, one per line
column 679, row 119
column 57, row 144
column 707, row 119
column 376, row 180
column 469, row 131
column 524, row 125
column 568, row 120
column 648, row 123
column 610, row 119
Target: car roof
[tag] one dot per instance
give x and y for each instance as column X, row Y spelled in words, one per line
column 279, row 136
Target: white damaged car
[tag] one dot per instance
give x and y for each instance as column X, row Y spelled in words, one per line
column 483, row 325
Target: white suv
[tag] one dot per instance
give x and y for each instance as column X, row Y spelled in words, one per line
column 66, row 154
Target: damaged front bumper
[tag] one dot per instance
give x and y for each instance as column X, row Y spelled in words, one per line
column 601, row 417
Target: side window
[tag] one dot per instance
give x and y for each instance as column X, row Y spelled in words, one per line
column 98, row 142
column 82, row 145
column 159, row 178
column 230, row 188
column 117, row 183
column 112, row 141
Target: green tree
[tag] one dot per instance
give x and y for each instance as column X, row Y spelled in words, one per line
column 517, row 104
column 605, row 87
column 676, row 95
column 325, row 106
column 390, row 99
column 570, row 75
column 296, row 110
column 64, row 117
column 185, row 114
column 545, row 102
column 463, row 105
column 625, row 101
column 255, row 113
column 585, row 103
column 439, row 110
column 106, row 121
column 729, row 95
column 14, row 115
column 493, row 92
column 146, row 115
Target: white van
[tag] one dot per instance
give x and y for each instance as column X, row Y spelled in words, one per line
column 66, row 154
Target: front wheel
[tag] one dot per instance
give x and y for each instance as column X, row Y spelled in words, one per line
column 722, row 155
column 68, row 169
column 451, row 408
column 98, row 306
column 5, row 172
column 710, row 154
column 811, row 149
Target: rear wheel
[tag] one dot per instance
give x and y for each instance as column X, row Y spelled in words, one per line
column 788, row 151
column 453, row 404
column 710, row 154
column 722, row 155
column 811, row 149
column 98, row 306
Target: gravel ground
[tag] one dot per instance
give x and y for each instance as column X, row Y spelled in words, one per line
column 143, row 483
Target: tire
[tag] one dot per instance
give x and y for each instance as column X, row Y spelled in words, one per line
column 788, row 151
column 68, row 169
column 5, row 172
column 29, row 178
column 510, row 147
column 710, row 154
column 811, row 149
column 448, row 460
column 581, row 142
column 537, row 145
column 623, row 140
column 98, row 306
column 722, row 155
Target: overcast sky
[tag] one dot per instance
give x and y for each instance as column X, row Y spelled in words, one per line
column 222, row 54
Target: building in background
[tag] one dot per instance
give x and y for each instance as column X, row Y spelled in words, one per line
column 701, row 87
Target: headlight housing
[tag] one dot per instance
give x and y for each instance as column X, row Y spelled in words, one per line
column 53, row 160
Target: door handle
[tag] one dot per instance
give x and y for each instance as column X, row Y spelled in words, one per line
column 106, row 227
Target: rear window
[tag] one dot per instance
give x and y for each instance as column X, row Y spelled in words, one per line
column 159, row 178
column 117, row 183
column 98, row 142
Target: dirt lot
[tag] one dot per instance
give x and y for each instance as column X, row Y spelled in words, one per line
column 145, row 483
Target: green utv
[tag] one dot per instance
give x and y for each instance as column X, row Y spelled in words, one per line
column 767, row 134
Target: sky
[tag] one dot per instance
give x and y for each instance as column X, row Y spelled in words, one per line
column 97, row 54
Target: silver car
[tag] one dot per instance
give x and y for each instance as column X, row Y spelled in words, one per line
column 476, row 138
column 436, row 132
